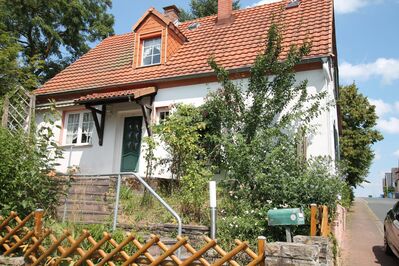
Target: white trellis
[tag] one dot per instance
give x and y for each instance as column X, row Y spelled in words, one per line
column 18, row 110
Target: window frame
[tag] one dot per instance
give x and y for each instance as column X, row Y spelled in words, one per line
column 159, row 110
column 152, row 55
column 80, row 129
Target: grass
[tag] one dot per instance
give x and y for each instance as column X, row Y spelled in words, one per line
column 136, row 212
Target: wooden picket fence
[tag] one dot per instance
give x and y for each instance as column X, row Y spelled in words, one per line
column 40, row 246
column 319, row 224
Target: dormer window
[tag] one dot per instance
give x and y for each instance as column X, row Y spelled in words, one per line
column 151, row 51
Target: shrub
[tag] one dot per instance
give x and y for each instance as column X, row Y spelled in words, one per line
column 181, row 136
column 26, row 165
column 24, row 183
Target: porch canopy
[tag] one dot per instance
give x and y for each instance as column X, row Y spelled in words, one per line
column 104, row 98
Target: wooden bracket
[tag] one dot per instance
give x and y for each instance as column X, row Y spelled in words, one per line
column 99, row 125
column 146, row 109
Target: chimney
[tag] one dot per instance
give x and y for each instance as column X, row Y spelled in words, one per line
column 172, row 13
column 225, row 11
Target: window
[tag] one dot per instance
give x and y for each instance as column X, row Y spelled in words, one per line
column 151, row 51
column 79, row 129
column 163, row 115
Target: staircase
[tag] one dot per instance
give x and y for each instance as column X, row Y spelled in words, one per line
column 89, row 201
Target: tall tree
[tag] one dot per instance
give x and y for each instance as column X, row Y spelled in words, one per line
column 52, row 34
column 203, row 8
column 358, row 135
column 11, row 72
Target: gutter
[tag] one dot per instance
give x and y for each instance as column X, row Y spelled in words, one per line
column 175, row 78
column 45, row 106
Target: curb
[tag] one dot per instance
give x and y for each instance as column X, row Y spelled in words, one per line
column 377, row 221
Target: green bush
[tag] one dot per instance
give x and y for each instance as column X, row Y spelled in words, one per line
column 24, row 181
column 278, row 180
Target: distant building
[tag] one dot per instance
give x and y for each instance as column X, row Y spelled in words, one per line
column 395, row 178
column 389, row 180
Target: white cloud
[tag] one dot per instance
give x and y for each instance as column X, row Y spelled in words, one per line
column 396, row 153
column 263, row 2
column 381, row 107
column 349, row 6
column 390, row 125
column 385, row 68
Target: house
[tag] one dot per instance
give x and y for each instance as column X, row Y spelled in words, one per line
column 109, row 97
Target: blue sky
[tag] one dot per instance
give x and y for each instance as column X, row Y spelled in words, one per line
column 368, row 52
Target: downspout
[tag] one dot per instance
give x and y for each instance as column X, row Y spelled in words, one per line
column 326, row 69
column 327, row 75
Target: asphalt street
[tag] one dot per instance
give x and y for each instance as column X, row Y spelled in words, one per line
column 380, row 206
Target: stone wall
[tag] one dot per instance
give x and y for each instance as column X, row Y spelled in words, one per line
column 16, row 261
column 304, row 251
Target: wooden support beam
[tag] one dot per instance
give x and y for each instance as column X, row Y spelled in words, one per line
column 146, row 109
column 99, row 124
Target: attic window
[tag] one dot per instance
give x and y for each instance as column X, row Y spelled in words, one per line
column 193, row 26
column 293, row 3
column 151, row 51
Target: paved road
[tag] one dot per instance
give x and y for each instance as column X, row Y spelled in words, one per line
column 380, row 207
column 364, row 235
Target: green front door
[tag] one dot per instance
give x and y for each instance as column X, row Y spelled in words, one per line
column 131, row 143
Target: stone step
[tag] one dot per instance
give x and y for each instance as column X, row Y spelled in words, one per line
column 88, row 189
column 92, row 180
column 85, row 216
column 102, row 197
column 87, row 205
column 88, row 200
column 92, row 183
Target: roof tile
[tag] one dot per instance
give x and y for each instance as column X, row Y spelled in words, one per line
column 234, row 46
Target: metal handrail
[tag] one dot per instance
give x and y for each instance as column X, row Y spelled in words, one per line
column 150, row 189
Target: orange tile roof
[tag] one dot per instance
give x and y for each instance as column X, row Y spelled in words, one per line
column 103, row 96
column 234, row 46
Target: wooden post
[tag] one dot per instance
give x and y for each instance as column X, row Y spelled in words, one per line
column 39, row 222
column 324, row 222
column 313, row 220
column 261, row 249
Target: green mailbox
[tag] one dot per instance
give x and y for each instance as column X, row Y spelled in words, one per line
column 286, row 217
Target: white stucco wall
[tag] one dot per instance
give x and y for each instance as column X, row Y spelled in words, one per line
column 106, row 159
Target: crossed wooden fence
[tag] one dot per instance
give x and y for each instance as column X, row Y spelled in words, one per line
column 41, row 247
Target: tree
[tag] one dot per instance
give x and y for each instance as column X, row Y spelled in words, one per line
column 52, row 34
column 202, row 8
column 358, row 134
column 12, row 73
column 253, row 134
column 181, row 134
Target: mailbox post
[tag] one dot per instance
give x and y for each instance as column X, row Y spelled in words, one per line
column 286, row 218
column 212, row 205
